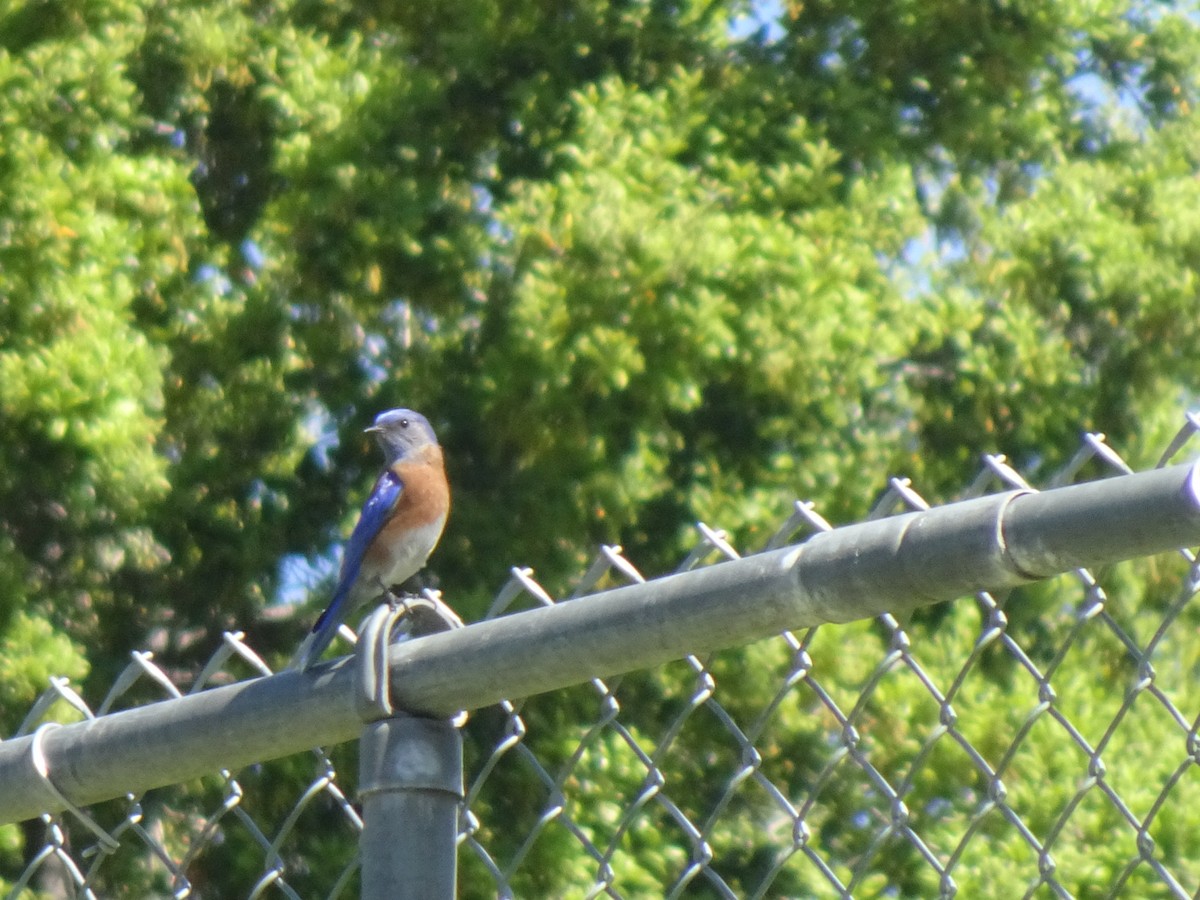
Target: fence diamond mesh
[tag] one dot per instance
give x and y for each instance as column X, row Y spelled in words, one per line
column 1039, row 743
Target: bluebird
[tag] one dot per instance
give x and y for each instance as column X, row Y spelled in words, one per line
column 397, row 529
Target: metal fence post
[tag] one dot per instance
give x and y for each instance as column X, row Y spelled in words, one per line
column 411, row 784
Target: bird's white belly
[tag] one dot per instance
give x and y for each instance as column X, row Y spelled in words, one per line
column 403, row 559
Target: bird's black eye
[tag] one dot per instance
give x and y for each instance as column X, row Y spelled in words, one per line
column 404, row 423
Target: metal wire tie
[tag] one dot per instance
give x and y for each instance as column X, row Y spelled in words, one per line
column 428, row 615
column 41, row 765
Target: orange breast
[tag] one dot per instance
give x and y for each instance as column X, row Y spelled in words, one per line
column 408, row 538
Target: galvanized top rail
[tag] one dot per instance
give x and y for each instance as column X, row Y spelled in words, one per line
column 860, row 571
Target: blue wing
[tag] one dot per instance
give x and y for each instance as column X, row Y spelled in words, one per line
column 375, row 514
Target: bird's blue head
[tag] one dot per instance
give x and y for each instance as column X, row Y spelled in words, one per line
column 402, row 432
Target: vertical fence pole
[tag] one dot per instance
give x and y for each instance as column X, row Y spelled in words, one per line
column 411, row 784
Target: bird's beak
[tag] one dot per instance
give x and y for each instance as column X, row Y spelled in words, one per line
column 372, row 429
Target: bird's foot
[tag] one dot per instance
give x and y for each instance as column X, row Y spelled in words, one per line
column 426, row 612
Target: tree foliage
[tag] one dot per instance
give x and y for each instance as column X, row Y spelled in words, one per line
column 638, row 266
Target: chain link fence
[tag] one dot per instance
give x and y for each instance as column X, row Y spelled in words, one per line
column 1038, row 742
